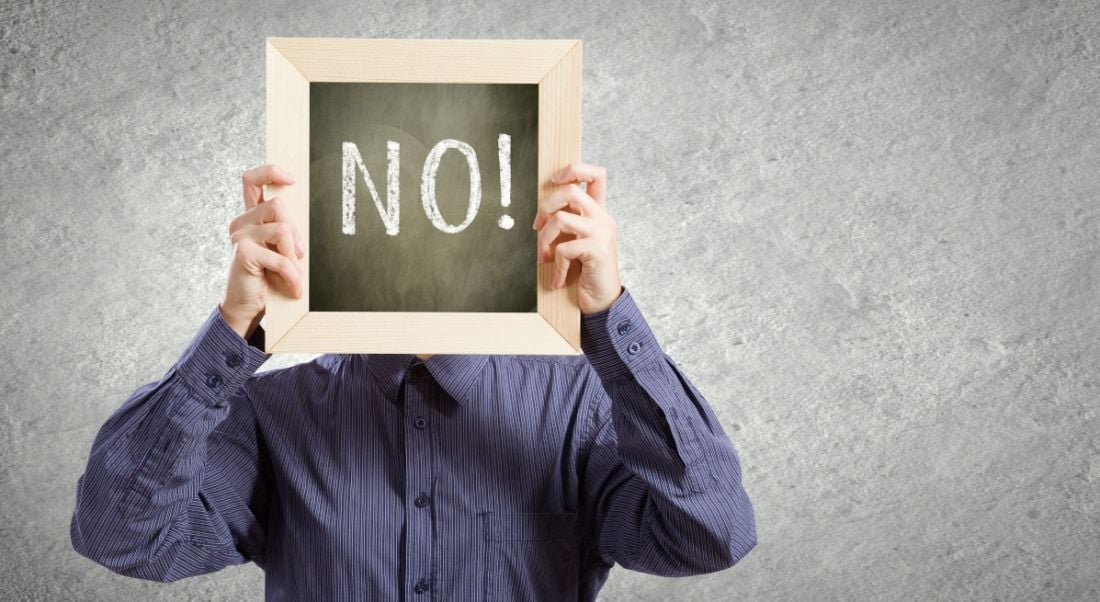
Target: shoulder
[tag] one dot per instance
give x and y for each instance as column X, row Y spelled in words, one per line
column 564, row 362
column 567, row 379
column 572, row 367
column 309, row 378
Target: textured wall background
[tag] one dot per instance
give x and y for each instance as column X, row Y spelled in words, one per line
column 868, row 232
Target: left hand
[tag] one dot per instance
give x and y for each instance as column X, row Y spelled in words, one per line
column 588, row 232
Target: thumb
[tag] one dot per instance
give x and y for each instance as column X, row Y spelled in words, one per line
column 562, row 261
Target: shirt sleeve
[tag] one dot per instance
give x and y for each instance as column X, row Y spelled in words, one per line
column 174, row 485
column 661, row 477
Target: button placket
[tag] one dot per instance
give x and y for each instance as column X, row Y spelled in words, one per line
column 419, row 467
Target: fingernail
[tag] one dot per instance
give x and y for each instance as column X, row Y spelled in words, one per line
column 301, row 249
column 289, row 176
column 557, row 177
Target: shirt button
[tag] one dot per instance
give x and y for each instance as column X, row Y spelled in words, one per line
column 213, row 380
column 232, row 360
column 421, row 586
column 633, row 348
column 422, row 500
column 420, row 423
column 624, row 327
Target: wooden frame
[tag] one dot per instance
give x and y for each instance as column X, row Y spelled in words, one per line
column 293, row 63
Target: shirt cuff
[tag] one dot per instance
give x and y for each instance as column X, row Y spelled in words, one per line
column 218, row 361
column 617, row 340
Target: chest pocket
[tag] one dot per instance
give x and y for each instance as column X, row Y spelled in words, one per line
column 530, row 556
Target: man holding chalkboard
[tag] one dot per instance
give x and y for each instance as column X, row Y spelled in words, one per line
column 381, row 477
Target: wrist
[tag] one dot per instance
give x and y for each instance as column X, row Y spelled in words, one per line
column 241, row 323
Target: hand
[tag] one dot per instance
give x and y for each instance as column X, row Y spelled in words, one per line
column 588, row 235
column 263, row 239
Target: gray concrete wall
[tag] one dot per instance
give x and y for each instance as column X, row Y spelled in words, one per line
column 867, row 230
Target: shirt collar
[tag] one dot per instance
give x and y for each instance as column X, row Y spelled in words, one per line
column 456, row 373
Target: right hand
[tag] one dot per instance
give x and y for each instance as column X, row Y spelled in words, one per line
column 267, row 249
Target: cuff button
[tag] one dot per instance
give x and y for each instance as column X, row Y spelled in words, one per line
column 634, row 348
column 232, row 360
column 624, row 327
column 213, row 380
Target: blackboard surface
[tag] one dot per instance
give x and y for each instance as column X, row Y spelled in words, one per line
column 482, row 268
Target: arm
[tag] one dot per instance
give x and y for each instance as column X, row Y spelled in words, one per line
column 661, row 477
column 174, row 484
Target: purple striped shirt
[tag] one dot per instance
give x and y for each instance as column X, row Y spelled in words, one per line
column 465, row 477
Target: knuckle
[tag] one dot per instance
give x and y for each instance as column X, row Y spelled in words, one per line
column 240, row 252
column 235, row 234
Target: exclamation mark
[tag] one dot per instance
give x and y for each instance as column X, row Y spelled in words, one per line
column 504, row 154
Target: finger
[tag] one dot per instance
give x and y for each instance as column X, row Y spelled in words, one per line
column 282, row 266
column 264, row 258
column 256, row 178
column 595, row 175
column 280, row 234
column 571, row 196
column 568, row 223
column 272, row 210
column 564, row 256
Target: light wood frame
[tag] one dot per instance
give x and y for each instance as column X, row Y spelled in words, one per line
column 292, row 63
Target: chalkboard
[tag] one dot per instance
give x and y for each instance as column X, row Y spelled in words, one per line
column 385, row 137
column 387, row 158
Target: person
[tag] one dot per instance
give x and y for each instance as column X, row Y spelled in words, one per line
column 418, row 476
